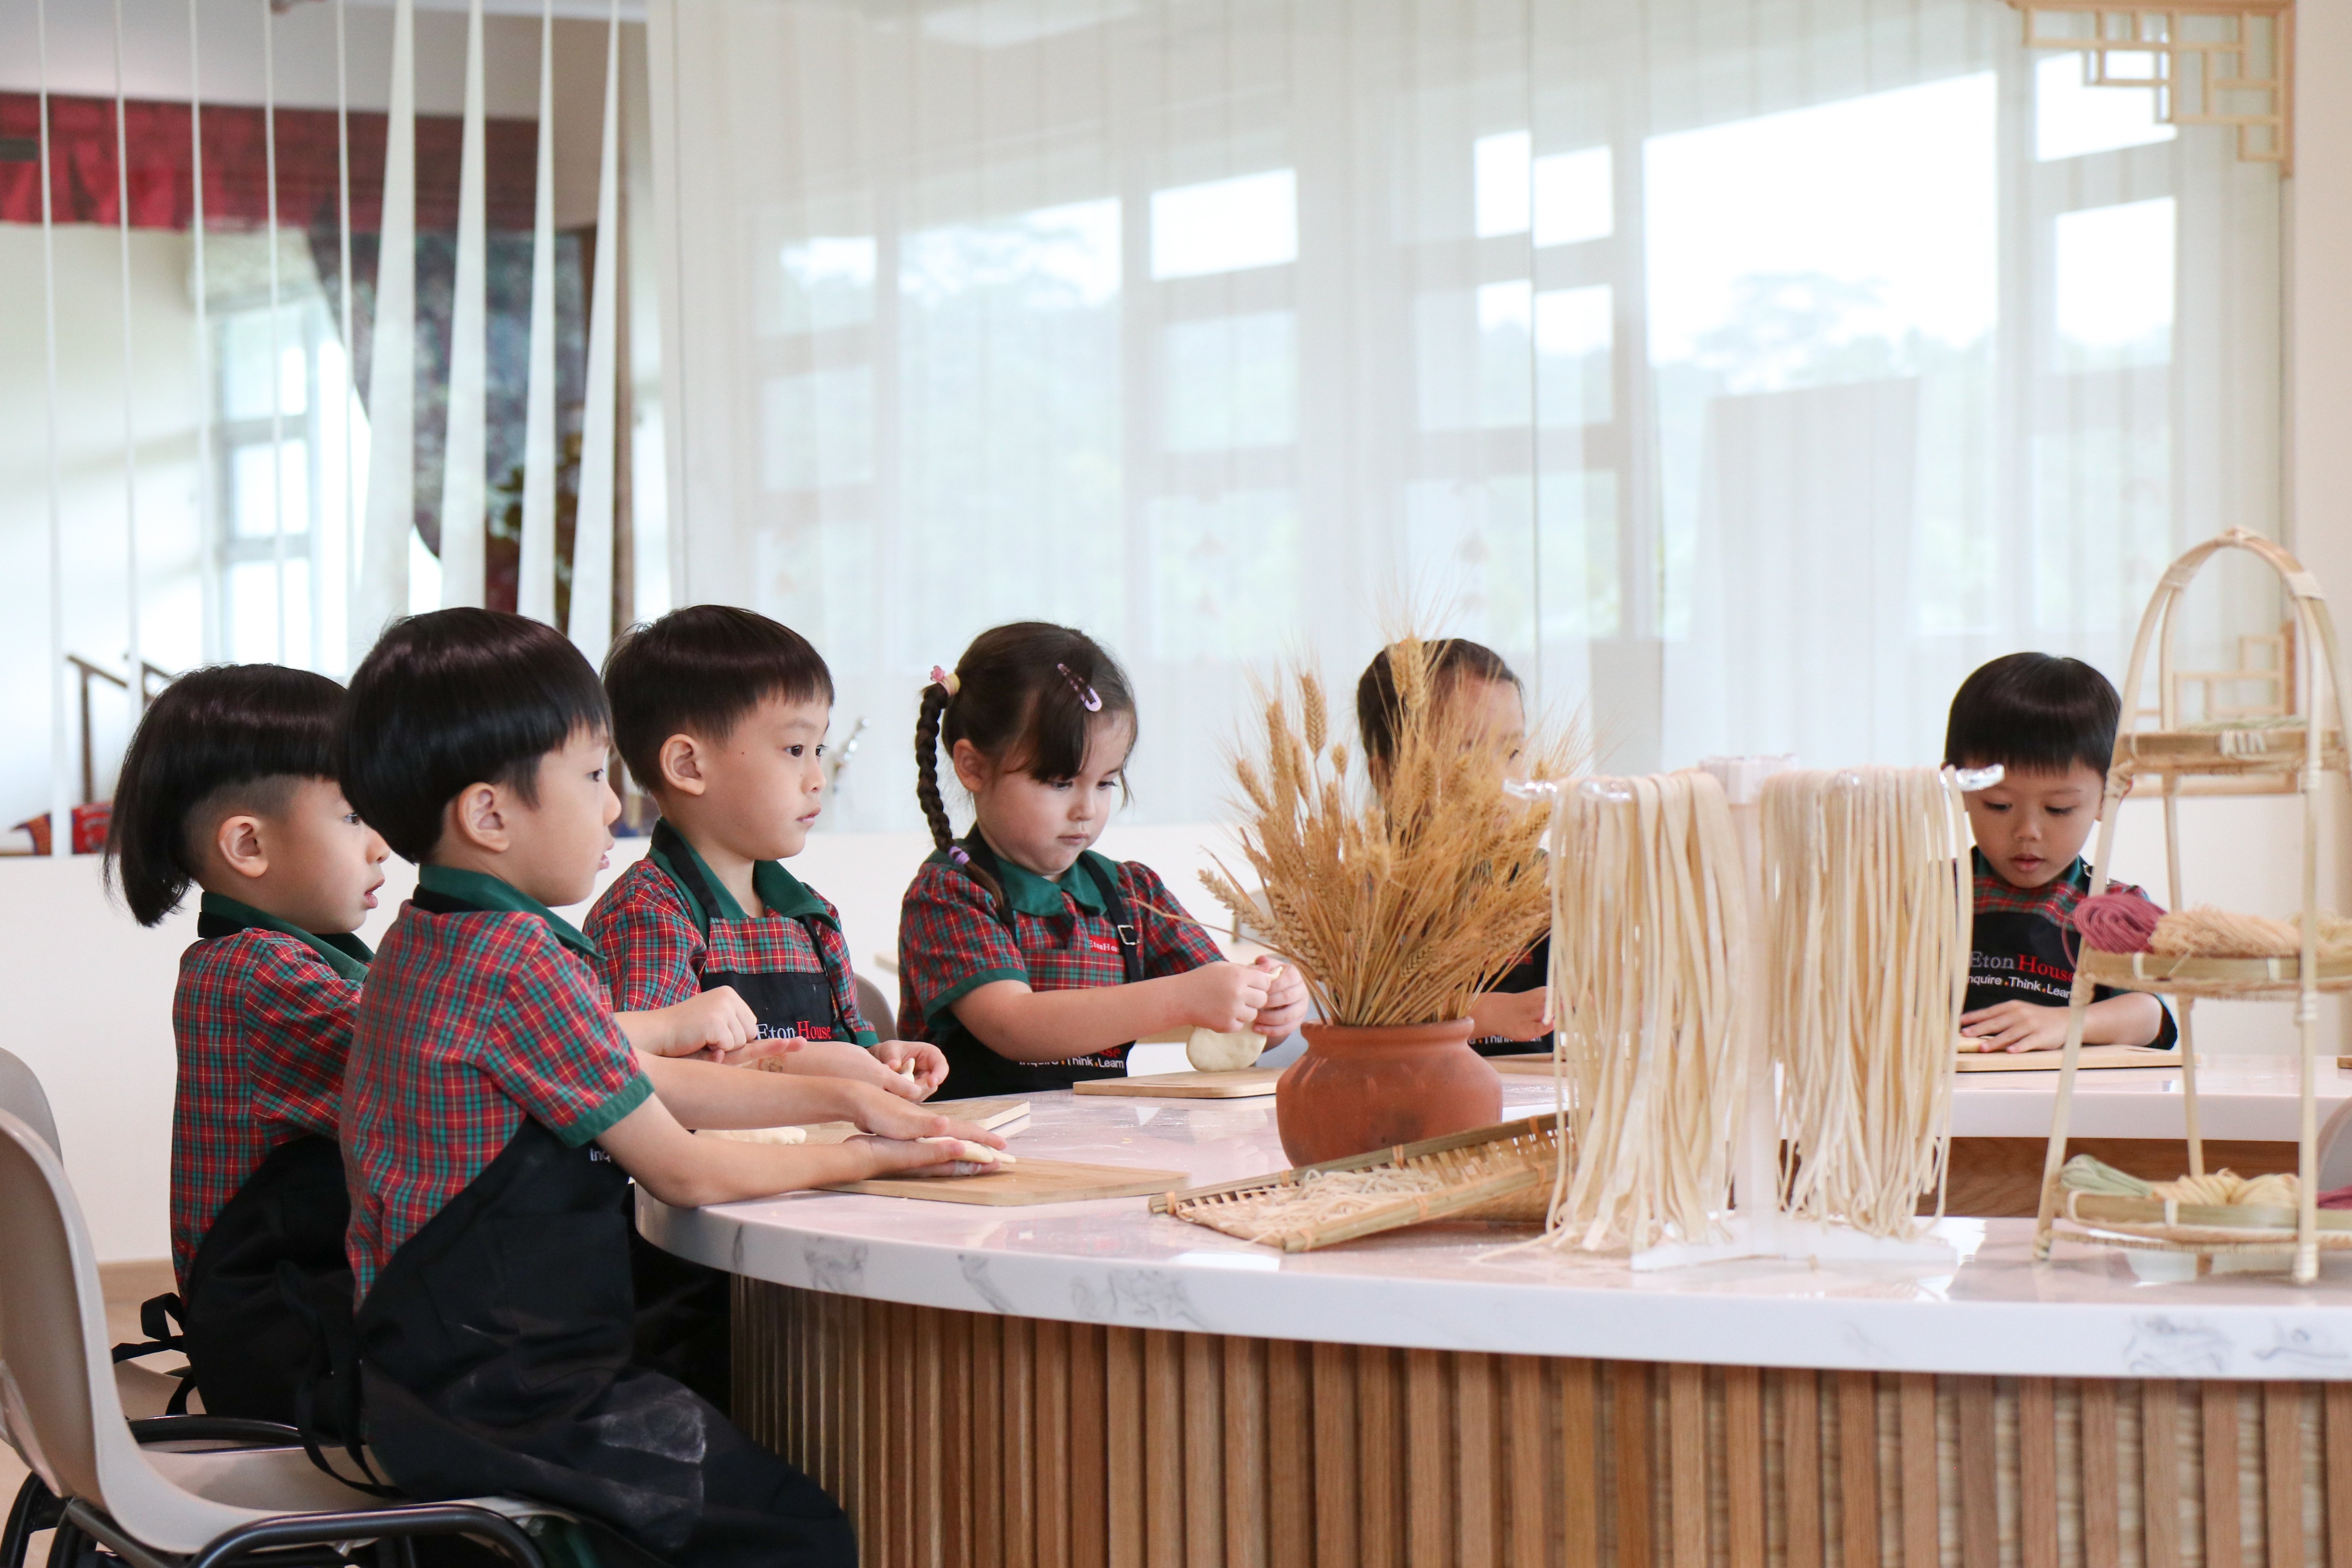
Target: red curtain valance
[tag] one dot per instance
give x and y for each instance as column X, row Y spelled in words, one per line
column 237, row 184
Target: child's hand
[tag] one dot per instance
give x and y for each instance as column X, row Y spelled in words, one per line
column 713, row 1024
column 930, row 1067
column 1226, row 996
column 1285, row 1008
column 2014, row 1026
column 1509, row 1014
column 838, row 1058
column 887, row 1116
column 902, row 1157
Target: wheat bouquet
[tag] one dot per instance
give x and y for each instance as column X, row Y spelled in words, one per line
column 1403, row 897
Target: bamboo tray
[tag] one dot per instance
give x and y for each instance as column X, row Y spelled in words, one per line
column 2222, row 750
column 1242, row 1083
column 1502, row 1173
column 2193, row 1226
column 2051, row 1061
column 2210, row 976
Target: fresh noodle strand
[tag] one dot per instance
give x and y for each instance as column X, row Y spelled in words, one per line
column 1867, row 964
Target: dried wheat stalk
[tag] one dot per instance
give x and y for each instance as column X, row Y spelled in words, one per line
column 1398, row 906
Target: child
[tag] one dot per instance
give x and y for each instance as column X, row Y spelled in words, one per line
column 1472, row 680
column 720, row 714
column 1032, row 962
column 493, row 1115
column 2050, row 723
column 229, row 784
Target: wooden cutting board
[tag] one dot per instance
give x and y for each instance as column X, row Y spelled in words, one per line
column 1245, row 1083
column 2051, row 1061
column 1030, row 1182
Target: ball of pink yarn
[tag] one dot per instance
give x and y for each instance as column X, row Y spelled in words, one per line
column 2118, row 922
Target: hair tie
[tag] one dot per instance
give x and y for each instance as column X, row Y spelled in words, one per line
column 1087, row 696
column 945, row 680
column 956, row 854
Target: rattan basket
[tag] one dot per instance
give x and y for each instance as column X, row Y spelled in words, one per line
column 1501, row 1173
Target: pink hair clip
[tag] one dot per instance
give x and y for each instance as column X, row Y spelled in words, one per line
column 1087, row 696
column 946, row 680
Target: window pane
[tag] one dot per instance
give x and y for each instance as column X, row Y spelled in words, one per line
column 1500, row 170
column 2070, row 117
column 1222, row 567
column 2114, row 305
column 253, row 612
column 1225, row 226
column 1573, row 197
column 246, row 358
column 1573, row 336
column 1231, row 381
column 824, row 282
column 255, row 507
column 817, row 429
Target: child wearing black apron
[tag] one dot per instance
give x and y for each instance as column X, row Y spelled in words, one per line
column 229, row 785
column 1001, row 925
column 494, row 1114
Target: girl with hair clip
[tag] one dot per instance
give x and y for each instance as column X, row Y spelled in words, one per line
column 1030, row 961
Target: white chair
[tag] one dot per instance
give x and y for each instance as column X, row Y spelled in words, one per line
column 22, row 1097
column 169, row 1495
column 2333, row 1158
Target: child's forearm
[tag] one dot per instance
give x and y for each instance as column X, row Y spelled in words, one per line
column 2133, row 1018
column 647, row 1032
column 1024, row 1026
column 705, row 1094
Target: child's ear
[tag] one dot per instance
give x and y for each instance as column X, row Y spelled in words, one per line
column 681, row 765
column 238, row 840
column 476, row 819
column 972, row 769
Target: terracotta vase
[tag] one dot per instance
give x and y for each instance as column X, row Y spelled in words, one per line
column 1362, row 1088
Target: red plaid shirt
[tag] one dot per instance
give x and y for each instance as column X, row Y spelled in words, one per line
column 655, row 952
column 263, row 1024
column 951, row 941
column 470, row 1023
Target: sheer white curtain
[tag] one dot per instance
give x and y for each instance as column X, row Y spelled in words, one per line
column 1745, row 371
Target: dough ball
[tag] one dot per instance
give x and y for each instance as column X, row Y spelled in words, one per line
column 1210, row 1051
column 971, row 1153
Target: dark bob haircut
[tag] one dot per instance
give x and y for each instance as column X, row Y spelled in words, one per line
column 701, row 670
column 233, row 736
column 1452, row 660
column 2034, row 712
column 457, row 697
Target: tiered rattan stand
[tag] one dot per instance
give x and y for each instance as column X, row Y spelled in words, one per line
column 2288, row 751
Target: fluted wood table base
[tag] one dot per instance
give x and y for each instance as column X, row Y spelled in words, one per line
column 960, row 1438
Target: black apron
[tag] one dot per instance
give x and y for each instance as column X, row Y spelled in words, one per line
column 2024, row 955
column 978, row 1072
column 685, row 1310
column 270, row 1289
column 1532, row 971
column 496, row 1356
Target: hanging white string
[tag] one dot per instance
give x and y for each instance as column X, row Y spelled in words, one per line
column 349, row 390
column 277, row 379
column 134, row 647
column 535, row 592
column 61, row 770
column 466, row 449
column 592, row 530
column 391, row 368
column 208, row 547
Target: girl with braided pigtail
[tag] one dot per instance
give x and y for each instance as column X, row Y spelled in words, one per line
column 1030, row 961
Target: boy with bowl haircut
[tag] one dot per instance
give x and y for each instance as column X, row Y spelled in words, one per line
column 2050, row 723
column 721, row 714
column 493, row 1114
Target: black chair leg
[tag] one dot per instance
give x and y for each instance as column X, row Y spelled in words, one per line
column 34, row 1511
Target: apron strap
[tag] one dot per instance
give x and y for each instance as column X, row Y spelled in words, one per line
column 156, row 1315
column 687, row 867
column 1122, row 919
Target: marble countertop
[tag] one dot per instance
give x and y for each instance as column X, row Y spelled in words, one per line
column 1985, row 1309
column 2237, row 1097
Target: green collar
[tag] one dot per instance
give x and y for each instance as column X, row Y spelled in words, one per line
column 1034, row 895
column 781, row 892
column 449, row 890
column 220, row 915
